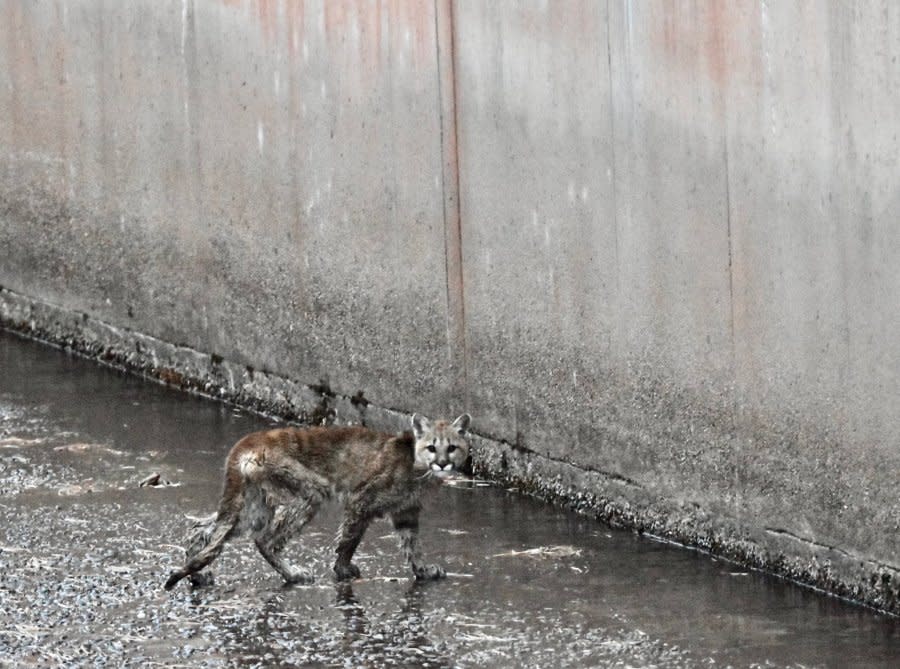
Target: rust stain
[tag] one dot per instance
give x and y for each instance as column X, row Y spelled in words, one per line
column 294, row 16
column 714, row 39
column 337, row 16
column 715, row 42
column 267, row 12
column 400, row 16
column 572, row 24
column 380, row 28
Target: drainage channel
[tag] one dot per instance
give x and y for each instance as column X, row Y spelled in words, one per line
column 85, row 548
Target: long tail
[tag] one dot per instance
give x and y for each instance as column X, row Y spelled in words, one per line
column 227, row 518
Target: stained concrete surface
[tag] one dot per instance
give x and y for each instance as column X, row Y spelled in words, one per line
column 84, row 550
column 684, row 281
column 656, row 241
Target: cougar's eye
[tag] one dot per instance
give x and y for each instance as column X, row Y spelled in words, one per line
column 431, row 448
column 451, row 448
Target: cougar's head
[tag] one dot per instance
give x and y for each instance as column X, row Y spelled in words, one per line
column 441, row 447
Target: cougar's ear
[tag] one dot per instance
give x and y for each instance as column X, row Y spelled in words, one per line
column 461, row 424
column 420, row 425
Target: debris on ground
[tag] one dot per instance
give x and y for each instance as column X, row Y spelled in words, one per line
column 156, row 480
column 18, row 442
column 554, row 552
column 84, row 447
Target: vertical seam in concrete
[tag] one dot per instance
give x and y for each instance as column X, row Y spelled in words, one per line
column 728, row 233
column 447, row 101
column 733, row 344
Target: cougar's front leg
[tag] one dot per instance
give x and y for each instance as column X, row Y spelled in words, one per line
column 353, row 527
column 406, row 524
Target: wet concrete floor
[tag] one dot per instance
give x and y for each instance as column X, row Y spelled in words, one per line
column 84, row 551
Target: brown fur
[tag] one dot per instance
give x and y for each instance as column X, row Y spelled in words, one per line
column 276, row 480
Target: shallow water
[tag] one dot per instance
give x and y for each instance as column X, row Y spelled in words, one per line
column 84, row 551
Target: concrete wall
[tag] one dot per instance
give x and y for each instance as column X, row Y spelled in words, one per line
column 650, row 246
column 261, row 181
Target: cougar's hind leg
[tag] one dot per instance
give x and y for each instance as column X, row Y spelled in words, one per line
column 198, row 539
column 287, row 522
column 300, row 494
column 209, row 538
column 220, row 533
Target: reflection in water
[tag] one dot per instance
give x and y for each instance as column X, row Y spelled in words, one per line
column 402, row 634
column 294, row 625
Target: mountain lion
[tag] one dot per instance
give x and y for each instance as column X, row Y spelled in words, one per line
column 276, row 480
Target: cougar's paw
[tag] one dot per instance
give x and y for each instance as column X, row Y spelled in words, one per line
column 429, row 572
column 173, row 579
column 344, row 572
column 201, row 579
column 299, row 576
